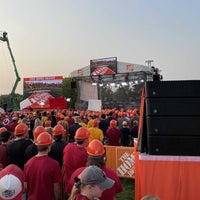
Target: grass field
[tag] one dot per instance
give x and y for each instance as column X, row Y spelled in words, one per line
column 128, row 189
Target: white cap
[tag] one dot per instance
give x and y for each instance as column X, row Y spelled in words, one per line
column 6, row 122
column 11, row 182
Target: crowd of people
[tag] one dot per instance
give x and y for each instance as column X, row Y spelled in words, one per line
column 61, row 153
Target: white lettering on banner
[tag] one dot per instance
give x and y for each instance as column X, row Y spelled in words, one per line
column 127, row 165
column 124, row 156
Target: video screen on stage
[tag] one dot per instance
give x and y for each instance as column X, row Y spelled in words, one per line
column 50, row 84
column 103, row 66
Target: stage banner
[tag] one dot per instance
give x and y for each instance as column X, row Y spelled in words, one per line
column 47, row 84
column 121, row 160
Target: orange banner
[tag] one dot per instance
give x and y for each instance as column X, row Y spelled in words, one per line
column 121, row 160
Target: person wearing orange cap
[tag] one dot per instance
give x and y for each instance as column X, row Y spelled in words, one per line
column 16, row 148
column 95, row 131
column 47, row 126
column 97, row 156
column 42, row 173
column 58, row 145
column 31, row 150
column 75, row 154
column 113, row 134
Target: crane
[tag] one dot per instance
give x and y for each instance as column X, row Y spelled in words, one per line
column 4, row 38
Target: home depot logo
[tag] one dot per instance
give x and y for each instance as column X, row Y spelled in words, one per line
column 125, row 165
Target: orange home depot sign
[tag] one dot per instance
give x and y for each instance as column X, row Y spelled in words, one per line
column 121, row 160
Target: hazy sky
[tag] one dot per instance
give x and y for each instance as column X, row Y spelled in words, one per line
column 56, row 37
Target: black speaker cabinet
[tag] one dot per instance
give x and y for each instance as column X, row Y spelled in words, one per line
column 190, row 88
column 172, row 118
column 73, row 84
column 174, row 145
column 173, row 125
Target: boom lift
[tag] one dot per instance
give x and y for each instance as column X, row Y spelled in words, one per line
column 4, row 38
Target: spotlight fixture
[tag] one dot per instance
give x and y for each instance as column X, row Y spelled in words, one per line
column 124, row 83
column 112, row 84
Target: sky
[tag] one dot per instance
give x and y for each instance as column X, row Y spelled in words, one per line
column 56, row 37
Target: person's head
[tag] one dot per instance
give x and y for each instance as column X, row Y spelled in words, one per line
column 47, row 123
column 124, row 123
column 21, row 130
column 95, row 122
column 135, row 123
column 58, row 132
column 11, row 182
column 113, row 123
column 82, row 136
column 2, row 129
column 43, row 142
column 91, row 182
column 77, row 119
column 103, row 116
column 37, row 131
column 5, row 136
column 64, row 123
column 49, row 130
column 96, row 153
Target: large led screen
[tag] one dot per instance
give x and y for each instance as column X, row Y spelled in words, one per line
column 50, row 84
column 103, row 66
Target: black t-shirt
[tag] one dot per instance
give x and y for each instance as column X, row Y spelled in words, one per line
column 57, row 151
column 30, row 151
column 16, row 151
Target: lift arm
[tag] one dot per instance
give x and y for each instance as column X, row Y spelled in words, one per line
column 4, row 38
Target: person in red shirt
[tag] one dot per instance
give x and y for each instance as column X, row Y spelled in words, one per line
column 97, row 156
column 42, row 173
column 90, row 184
column 113, row 134
column 75, row 154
